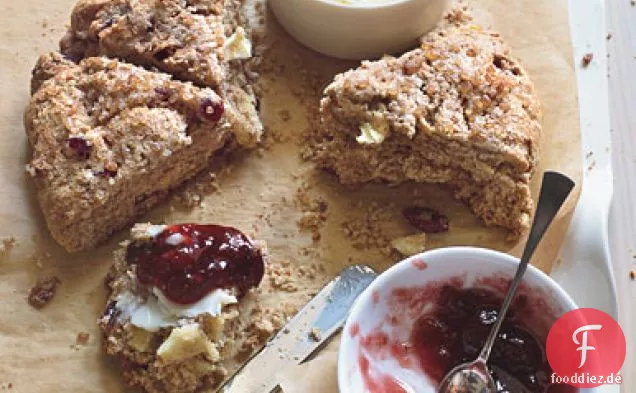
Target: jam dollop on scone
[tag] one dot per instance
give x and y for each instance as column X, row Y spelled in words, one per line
column 172, row 312
column 458, row 110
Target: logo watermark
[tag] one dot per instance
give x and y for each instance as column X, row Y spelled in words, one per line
column 580, row 378
column 586, row 348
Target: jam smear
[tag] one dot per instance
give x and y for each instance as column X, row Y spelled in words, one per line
column 188, row 261
column 454, row 331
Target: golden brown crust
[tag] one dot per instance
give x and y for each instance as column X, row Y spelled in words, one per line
column 458, row 110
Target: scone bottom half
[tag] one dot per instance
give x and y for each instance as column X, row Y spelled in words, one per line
column 458, row 111
column 174, row 303
column 109, row 140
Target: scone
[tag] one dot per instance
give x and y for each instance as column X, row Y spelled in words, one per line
column 173, row 313
column 459, row 111
column 183, row 38
column 195, row 40
column 110, row 139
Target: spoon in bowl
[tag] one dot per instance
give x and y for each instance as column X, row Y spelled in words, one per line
column 474, row 377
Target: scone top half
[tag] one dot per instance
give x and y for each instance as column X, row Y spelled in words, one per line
column 109, row 139
column 459, row 110
column 173, row 315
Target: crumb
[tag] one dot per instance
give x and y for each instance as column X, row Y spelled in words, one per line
column 609, row 36
column 366, row 232
column 43, row 292
column 284, row 115
column 7, row 244
column 315, row 334
column 82, row 338
column 281, row 277
column 458, row 16
column 314, row 211
column 632, row 274
column 587, row 59
column 410, row 245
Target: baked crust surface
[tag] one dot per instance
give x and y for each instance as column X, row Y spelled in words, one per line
column 459, row 110
column 109, row 139
column 182, row 37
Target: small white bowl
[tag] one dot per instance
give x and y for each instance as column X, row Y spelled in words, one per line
column 358, row 31
column 375, row 309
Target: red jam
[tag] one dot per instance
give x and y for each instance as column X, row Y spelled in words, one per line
column 187, row 262
column 454, row 331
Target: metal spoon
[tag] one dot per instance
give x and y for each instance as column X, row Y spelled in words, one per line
column 474, row 377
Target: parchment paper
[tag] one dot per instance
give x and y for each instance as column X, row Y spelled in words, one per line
column 257, row 192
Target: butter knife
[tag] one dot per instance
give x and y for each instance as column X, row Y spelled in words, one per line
column 303, row 335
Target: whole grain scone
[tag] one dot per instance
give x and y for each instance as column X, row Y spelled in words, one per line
column 175, row 315
column 200, row 41
column 110, row 139
column 459, row 111
column 183, row 38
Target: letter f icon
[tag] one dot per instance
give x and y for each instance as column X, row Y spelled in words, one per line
column 584, row 347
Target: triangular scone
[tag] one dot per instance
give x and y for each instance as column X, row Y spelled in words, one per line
column 110, row 139
column 180, row 37
column 194, row 40
column 458, row 111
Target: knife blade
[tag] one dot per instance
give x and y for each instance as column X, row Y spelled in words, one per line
column 303, row 335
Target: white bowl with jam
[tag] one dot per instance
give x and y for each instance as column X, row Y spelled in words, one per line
column 433, row 311
column 358, row 29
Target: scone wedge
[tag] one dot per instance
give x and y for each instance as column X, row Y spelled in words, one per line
column 110, row 139
column 183, row 38
column 458, row 111
column 200, row 41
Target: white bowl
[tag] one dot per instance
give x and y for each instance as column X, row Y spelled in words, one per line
column 362, row 31
column 375, row 309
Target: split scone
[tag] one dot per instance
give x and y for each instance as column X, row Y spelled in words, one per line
column 110, row 139
column 172, row 317
column 459, row 111
column 194, row 40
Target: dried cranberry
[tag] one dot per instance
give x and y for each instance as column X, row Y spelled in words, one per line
column 186, row 262
column 426, row 219
column 164, row 93
column 43, row 292
column 106, row 173
column 80, row 146
column 210, row 110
